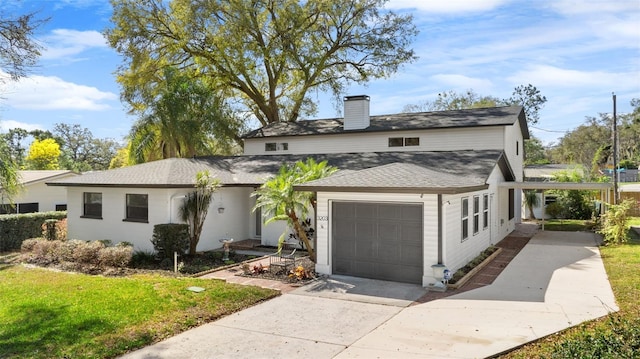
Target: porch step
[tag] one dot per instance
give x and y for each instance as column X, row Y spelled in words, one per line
column 245, row 244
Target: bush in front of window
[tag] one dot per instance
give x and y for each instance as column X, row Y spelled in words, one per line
column 169, row 238
column 15, row 228
column 94, row 253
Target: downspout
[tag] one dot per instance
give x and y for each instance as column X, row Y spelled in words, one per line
column 440, row 224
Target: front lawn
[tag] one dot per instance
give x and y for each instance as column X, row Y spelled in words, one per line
column 567, row 225
column 615, row 336
column 46, row 314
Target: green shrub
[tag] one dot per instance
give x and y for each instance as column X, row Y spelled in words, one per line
column 88, row 253
column 119, row 256
column 15, row 228
column 169, row 238
column 142, row 259
column 615, row 226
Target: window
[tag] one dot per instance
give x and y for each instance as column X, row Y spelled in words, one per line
column 272, row 146
column 7, row 208
column 412, row 141
column 396, row 141
column 511, row 204
column 137, row 207
column 28, row 207
column 404, row 141
column 476, row 214
column 485, row 211
column 61, row 207
column 517, row 148
column 92, row 205
column 465, row 219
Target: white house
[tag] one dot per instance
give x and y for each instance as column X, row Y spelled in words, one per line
column 413, row 189
column 35, row 195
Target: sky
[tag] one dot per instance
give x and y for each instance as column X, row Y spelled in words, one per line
column 576, row 52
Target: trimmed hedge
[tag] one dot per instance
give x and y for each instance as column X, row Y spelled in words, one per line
column 15, row 228
column 169, row 238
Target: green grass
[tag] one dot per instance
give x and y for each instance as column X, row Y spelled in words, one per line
column 46, row 314
column 615, row 336
column 568, row 225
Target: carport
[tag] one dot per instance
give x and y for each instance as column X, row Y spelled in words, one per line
column 604, row 188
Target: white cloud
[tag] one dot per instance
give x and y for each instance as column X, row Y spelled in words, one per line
column 550, row 76
column 461, row 82
column 53, row 93
column 63, row 43
column 6, row 125
column 450, row 6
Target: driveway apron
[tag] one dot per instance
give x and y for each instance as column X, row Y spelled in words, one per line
column 557, row 281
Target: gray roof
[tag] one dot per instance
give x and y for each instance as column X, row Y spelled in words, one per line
column 449, row 168
column 30, row 176
column 491, row 116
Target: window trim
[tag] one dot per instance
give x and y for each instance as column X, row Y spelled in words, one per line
column 128, row 217
column 396, row 141
column 485, row 211
column 84, row 206
column 464, row 213
column 407, row 141
column 476, row 215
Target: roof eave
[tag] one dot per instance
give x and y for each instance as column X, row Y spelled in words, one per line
column 429, row 190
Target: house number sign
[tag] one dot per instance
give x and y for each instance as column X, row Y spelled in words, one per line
column 323, row 218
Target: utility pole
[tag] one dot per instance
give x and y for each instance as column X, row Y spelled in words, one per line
column 615, row 153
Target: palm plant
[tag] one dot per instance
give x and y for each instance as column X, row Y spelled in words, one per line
column 195, row 207
column 280, row 202
column 531, row 200
column 185, row 119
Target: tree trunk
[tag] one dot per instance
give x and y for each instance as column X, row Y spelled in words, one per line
column 303, row 235
column 531, row 214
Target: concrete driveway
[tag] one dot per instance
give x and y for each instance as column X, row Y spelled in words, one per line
column 557, row 281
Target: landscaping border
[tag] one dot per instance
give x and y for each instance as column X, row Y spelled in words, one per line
column 475, row 270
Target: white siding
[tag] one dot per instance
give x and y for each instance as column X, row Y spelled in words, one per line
column 163, row 208
column 430, row 230
column 457, row 252
column 480, row 138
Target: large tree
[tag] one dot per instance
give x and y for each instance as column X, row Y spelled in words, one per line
column 19, row 51
column 529, row 97
column 187, row 118
column 44, row 155
column 268, row 55
column 81, row 151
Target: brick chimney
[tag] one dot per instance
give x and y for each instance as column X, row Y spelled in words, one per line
column 356, row 112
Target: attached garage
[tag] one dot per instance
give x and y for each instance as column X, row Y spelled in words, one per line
column 378, row 240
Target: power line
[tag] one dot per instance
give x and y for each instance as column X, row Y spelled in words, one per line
column 545, row 130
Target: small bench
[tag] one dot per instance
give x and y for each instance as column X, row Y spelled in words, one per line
column 282, row 261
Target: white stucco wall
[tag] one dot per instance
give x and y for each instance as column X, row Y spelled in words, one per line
column 47, row 197
column 234, row 222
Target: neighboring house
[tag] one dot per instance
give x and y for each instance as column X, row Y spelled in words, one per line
column 629, row 191
column 35, row 195
column 413, row 189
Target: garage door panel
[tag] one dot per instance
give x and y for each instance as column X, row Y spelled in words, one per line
column 387, row 240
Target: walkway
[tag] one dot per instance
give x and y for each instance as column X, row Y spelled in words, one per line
column 556, row 281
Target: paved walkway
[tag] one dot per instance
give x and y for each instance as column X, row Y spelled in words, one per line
column 556, row 281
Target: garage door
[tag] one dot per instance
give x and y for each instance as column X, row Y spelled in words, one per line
column 378, row 240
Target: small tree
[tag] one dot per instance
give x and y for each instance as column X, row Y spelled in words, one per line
column 281, row 202
column 532, row 200
column 615, row 227
column 195, row 207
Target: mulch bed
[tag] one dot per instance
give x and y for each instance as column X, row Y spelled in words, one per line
column 304, row 272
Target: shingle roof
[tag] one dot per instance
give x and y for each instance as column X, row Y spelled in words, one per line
column 30, row 176
column 448, row 168
column 492, row 116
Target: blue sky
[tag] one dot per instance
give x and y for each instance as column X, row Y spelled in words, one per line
column 577, row 52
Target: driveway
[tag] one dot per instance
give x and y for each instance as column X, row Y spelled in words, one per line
column 555, row 282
